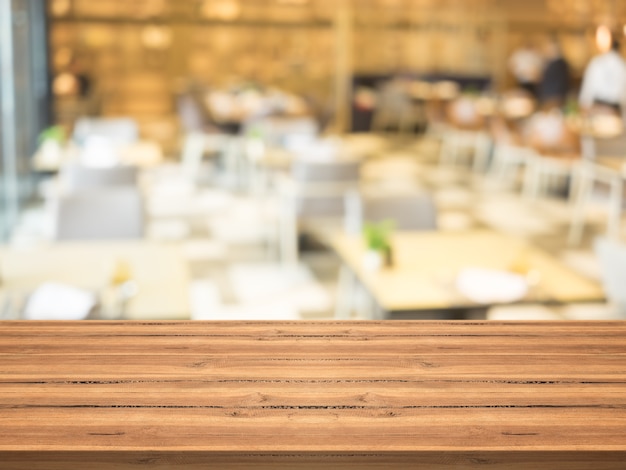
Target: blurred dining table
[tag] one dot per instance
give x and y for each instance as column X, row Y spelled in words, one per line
column 427, row 268
column 157, row 272
column 143, row 154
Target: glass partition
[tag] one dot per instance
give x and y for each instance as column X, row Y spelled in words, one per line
column 24, row 101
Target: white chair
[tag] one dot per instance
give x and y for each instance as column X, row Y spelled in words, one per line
column 322, row 186
column 555, row 153
column 603, row 163
column 413, row 210
column 459, row 144
column 188, row 170
column 544, row 171
column 172, row 191
column 315, row 190
column 76, row 177
column 507, row 159
column 283, row 131
column 269, row 136
column 119, row 131
column 395, row 108
column 587, row 174
column 115, row 213
column 465, row 137
column 612, row 256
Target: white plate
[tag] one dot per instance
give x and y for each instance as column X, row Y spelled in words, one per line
column 489, row 286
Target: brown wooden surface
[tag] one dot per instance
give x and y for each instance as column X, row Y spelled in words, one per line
column 312, row 395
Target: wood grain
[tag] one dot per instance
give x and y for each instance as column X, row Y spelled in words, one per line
column 305, row 395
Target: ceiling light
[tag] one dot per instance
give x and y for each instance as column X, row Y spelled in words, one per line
column 156, row 37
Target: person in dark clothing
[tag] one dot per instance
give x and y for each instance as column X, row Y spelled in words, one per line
column 555, row 83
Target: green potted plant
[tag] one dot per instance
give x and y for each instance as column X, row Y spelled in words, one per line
column 51, row 142
column 377, row 237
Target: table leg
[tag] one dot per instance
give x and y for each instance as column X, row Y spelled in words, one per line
column 582, row 189
column 615, row 208
column 346, row 291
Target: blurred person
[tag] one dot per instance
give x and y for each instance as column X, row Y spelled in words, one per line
column 604, row 82
column 526, row 65
column 555, row 81
column 83, row 79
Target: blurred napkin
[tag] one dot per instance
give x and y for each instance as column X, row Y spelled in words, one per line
column 486, row 286
column 52, row 301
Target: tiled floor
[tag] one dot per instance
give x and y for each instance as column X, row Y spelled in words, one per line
column 228, row 234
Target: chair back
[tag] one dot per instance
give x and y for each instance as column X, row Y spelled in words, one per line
column 614, row 146
column 190, row 113
column 285, row 132
column 120, row 131
column 313, row 171
column 393, row 96
column 78, row 177
column 412, row 210
column 548, row 133
column 114, row 213
column 322, row 186
column 612, row 257
column 193, row 152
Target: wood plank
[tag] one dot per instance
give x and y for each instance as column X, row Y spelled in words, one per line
column 306, row 395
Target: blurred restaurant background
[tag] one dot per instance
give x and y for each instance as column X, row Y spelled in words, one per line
column 312, row 159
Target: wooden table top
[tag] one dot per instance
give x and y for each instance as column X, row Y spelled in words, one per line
column 426, row 265
column 160, row 270
column 616, row 164
column 313, row 395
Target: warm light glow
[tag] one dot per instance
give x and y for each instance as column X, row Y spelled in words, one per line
column 225, row 10
column 293, row 2
column 65, row 84
column 60, row 7
column 604, row 38
column 156, row 37
column 63, row 57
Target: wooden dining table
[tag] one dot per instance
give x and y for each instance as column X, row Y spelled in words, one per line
column 426, row 265
column 312, row 395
